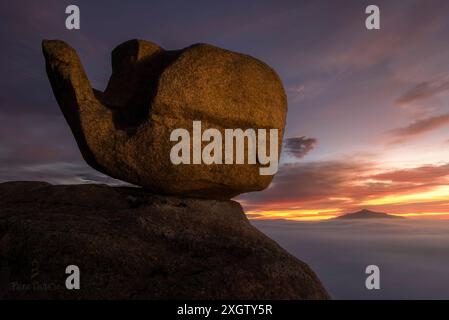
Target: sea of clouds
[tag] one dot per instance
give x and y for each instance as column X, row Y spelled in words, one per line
column 413, row 255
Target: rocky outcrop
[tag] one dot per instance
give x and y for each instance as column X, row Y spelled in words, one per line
column 129, row 244
column 124, row 132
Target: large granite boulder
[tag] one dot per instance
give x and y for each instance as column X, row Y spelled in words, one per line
column 125, row 131
column 130, row 244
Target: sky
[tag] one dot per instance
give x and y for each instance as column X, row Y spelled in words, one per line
column 368, row 118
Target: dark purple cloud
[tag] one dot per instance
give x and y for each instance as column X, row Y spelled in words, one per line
column 298, row 147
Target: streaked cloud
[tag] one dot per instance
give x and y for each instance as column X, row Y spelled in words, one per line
column 424, row 174
column 419, row 127
column 422, row 90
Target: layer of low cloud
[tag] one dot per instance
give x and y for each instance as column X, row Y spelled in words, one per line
column 411, row 254
column 25, row 153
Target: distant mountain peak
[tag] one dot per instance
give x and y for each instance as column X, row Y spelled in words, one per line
column 368, row 214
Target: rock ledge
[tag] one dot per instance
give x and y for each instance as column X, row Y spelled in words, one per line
column 130, row 244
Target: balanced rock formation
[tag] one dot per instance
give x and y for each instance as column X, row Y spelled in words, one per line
column 124, row 131
column 128, row 244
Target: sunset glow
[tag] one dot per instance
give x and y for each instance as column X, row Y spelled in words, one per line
column 438, row 194
column 411, row 192
column 300, row 215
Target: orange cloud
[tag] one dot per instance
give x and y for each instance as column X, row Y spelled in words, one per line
column 322, row 190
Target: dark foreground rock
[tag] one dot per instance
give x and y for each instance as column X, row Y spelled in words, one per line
column 133, row 245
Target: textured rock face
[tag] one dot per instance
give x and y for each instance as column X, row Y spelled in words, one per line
column 124, row 132
column 131, row 244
